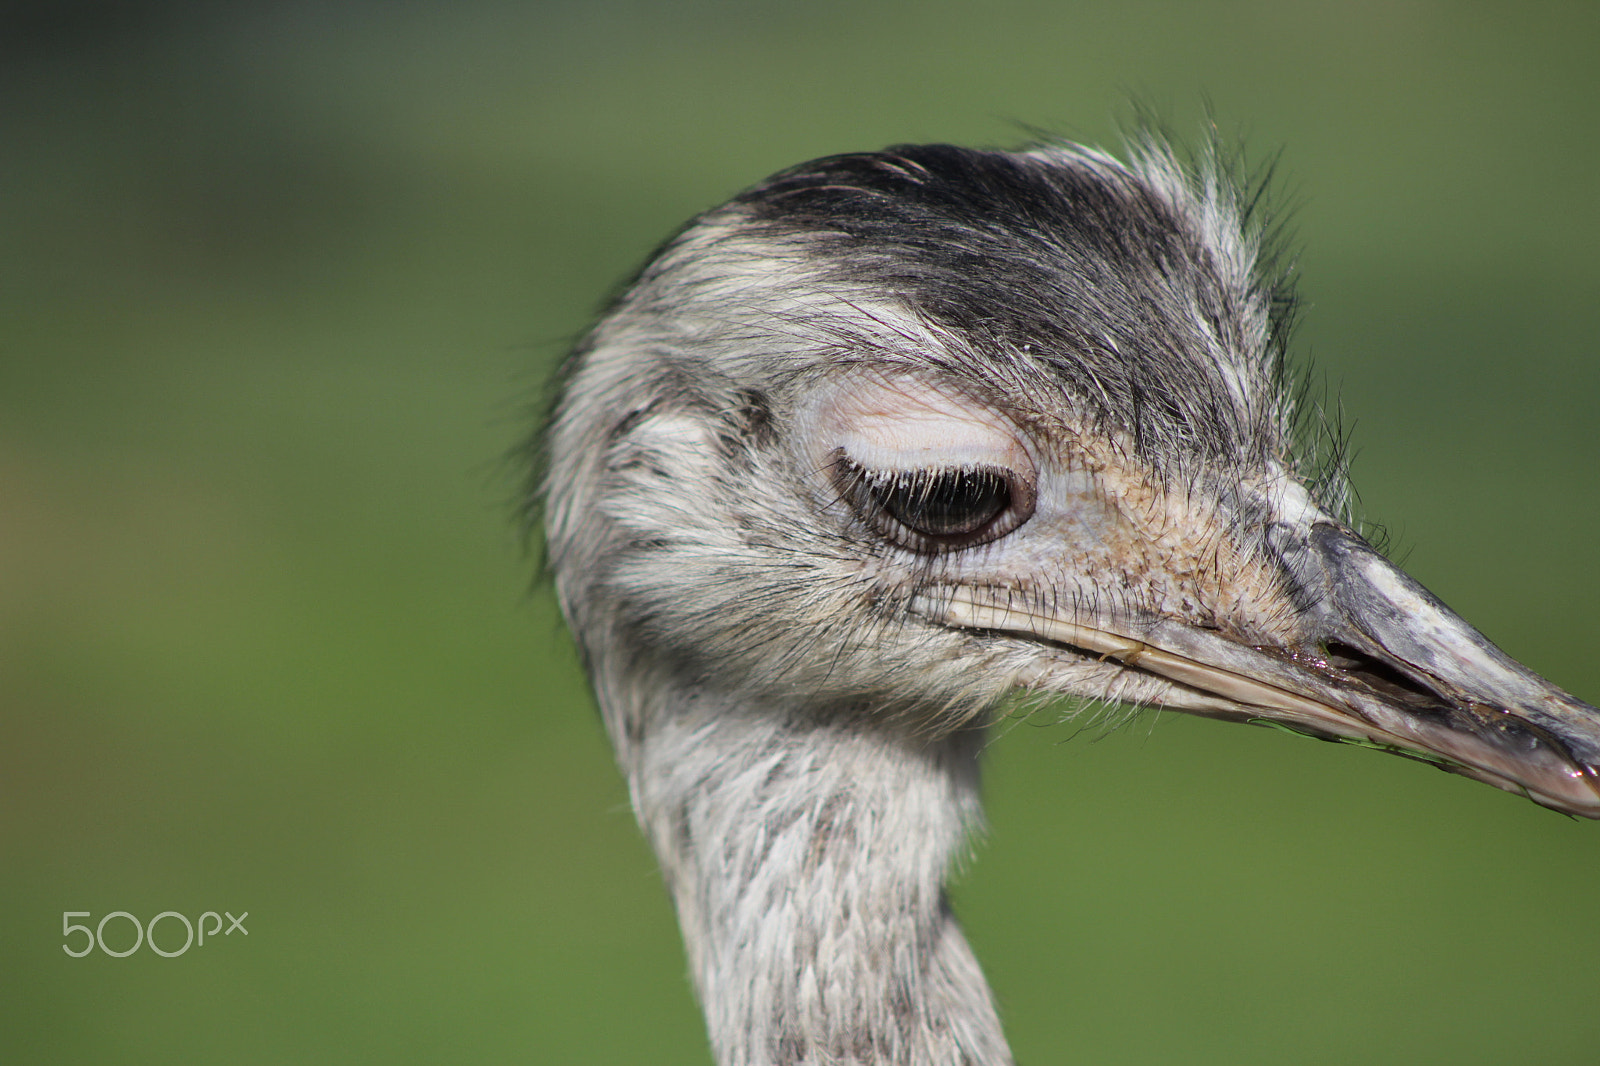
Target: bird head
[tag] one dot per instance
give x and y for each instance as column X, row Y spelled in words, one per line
column 892, row 436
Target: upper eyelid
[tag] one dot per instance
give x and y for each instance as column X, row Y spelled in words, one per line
column 898, row 421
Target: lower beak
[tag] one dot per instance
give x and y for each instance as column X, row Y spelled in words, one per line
column 1382, row 663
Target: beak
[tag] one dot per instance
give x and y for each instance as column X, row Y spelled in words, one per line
column 1382, row 663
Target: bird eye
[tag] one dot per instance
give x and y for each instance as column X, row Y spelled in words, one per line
column 938, row 509
column 944, row 503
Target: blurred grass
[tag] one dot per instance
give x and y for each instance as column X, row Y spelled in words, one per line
column 281, row 286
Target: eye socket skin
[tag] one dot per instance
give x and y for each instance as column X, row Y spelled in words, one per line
column 926, row 464
column 937, row 509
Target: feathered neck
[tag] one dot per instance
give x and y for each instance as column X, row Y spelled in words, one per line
column 807, row 857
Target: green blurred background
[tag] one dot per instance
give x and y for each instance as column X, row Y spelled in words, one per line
column 280, row 287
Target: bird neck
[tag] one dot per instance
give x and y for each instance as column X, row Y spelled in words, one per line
column 807, row 858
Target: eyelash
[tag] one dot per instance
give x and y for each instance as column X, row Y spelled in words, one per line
column 937, row 509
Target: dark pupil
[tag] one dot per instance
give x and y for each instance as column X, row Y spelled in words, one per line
column 943, row 503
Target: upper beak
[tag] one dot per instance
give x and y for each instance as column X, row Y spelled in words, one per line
column 1382, row 662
